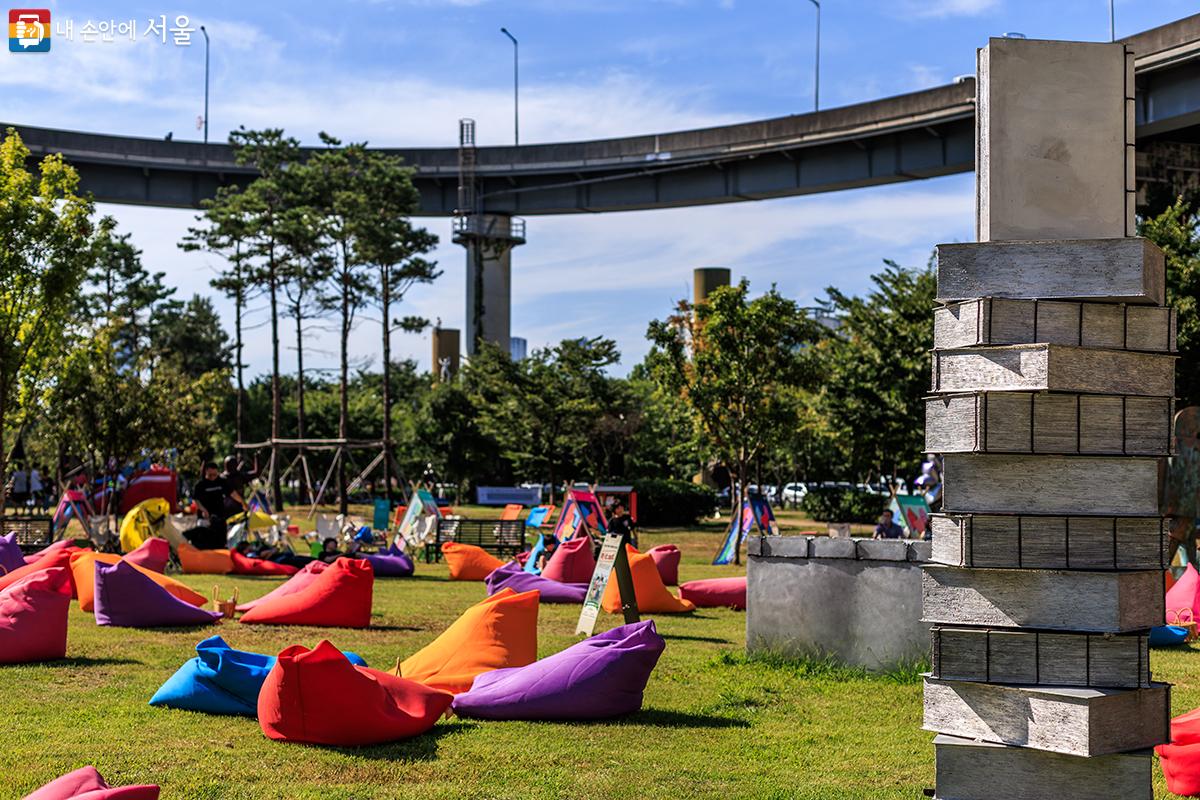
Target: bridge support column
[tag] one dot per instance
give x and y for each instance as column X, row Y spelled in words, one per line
column 489, row 240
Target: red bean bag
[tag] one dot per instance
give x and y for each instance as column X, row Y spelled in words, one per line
column 318, row 696
column 666, row 558
column 500, row 631
column 339, row 597
column 59, row 558
column 1181, row 598
column 1181, row 758
column 86, row 784
column 716, row 593
column 61, row 544
column 258, row 566
column 652, row 596
column 33, row 617
column 83, row 570
column 292, row 585
column 204, row 562
column 153, row 554
column 571, row 562
column 468, row 562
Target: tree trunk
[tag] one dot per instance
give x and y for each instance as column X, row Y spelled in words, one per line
column 239, row 305
column 386, row 303
column 343, row 389
column 276, row 401
column 302, row 495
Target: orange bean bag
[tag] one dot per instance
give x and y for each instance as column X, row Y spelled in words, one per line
column 468, row 562
column 318, row 696
column 258, row 566
column 204, row 562
column 33, row 617
column 652, row 595
column 339, row 597
column 571, row 562
column 498, row 632
column 57, row 558
column 83, row 569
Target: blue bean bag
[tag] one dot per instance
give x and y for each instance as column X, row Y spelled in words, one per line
column 1167, row 635
column 220, row 680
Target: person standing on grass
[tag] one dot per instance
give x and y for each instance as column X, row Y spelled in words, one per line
column 19, row 490
column 237, row 478
column 211, row 493
column 37, row 490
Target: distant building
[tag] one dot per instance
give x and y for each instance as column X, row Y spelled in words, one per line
column 517, row 348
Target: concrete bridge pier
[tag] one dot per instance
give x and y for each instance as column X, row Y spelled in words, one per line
column 489, row 240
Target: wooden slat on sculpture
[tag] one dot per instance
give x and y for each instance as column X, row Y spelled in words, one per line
column 1040, row 658
column 1053, row 367
column 1114, row 270
column 1049, row 542
column 1072, row 721
column 1050, row 423
column 1002, row 321
column 1058, row 600
column 971, row 770
column 1051, row 484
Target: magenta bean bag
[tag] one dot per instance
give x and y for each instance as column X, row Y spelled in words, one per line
column 292, row 585
column 86, row 784
column 33, row 617
column 1181, row 598
column 391, row 562
column 716, row 593
column 571, row 562
column 513, row 577
column 600, row 677
column 666, row 558
column 10, row 554
column 152, row 554
column 126, row 598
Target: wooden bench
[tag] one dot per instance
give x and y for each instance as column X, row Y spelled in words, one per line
column 503, row 538
column 33, row 531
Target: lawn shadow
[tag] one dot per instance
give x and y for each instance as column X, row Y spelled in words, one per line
column 85, row 661
column 662, row 718
column 394, row 628
column 685, row 638
column 419, row 748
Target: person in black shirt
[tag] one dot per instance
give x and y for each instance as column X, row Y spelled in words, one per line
column 210, row 494
column 619, row 522
column 236, row 478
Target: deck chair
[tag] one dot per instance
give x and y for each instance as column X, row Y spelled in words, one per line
column 327, row 527
column 511, row 511
column 539, row 516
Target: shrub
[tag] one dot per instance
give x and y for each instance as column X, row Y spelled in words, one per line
column 666, row 503
column 843, row 505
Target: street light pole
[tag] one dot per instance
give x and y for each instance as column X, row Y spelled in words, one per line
column 1112, row 22
column 817, row 72
column 202, row 30
column 516, row 90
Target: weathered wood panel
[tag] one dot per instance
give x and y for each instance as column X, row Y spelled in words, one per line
column 1036, row 658
column 1053, row 367
column 1120, row 270
column 1056, row 600
column 1072, row 721
column 1022, row 541
column 1048, row 423
column 971, row 770
column 1002, row 321
column 1100, row 485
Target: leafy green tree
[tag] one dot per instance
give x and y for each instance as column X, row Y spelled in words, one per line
column 876, row 371
column 1177, row 231
column 190, row 335
column 730, row 360
column 46, row 247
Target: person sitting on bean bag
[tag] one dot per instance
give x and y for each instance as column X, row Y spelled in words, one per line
column 468, row 562
column 318, row 696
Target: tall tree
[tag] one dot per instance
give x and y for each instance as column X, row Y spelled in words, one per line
column 1177, row 231
column 46, row 247
column 190, row 335
column 123, row 289
column 731, row 360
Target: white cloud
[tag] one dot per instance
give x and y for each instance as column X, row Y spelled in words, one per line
column 936, row 9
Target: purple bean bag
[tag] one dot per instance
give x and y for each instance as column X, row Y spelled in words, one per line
column 600, row 677
column 10, row 554
column 391, row 563
column 512, row 576
column 126, row 598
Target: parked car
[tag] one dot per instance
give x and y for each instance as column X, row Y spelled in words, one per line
column 794, row 492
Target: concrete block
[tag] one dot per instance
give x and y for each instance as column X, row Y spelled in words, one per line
column 920, row 551
column 973, row 770
column 780, row 546
column 1050, row 140
column 1048, row 422
column 1101, row 485
column 1055, row 600
column 1000, row 321
column 1126, row 270
column 1068, row 720
column 882, row 549
column 1053, row 367
column 828, row 547
column 1037, row 658
column 1049, row 542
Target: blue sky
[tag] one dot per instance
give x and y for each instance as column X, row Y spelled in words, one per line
column 403, row 72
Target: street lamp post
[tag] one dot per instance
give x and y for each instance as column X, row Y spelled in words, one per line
column 202, row 30
column 516, row 90
column 1112, row 22
column 817, row 72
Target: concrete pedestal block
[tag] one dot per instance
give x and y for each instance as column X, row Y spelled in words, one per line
column 1053, row 367
column 1000, row 321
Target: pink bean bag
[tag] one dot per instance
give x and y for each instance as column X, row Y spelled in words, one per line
column 716, row 593
column 666, row 558
column 152, row 554
column 572, row 562
column 340, row 597
column 33, row 617
column 292, row 585
column 1181, row 598
column 86, row 784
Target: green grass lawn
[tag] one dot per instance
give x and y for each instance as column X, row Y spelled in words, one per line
column 714, row 724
